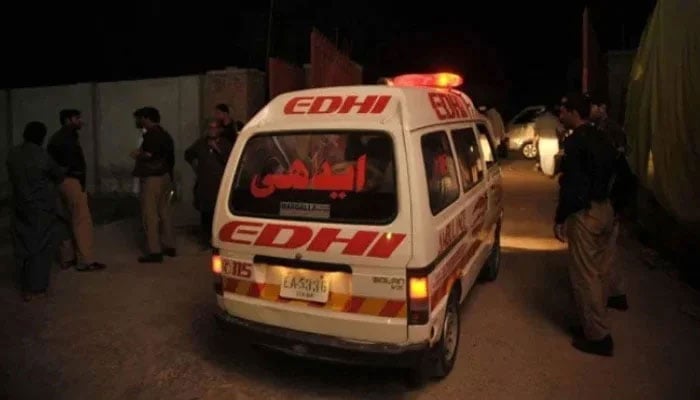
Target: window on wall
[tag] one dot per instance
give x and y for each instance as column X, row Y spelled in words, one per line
column 440, row 171
column 487, row 147
column 470, row 167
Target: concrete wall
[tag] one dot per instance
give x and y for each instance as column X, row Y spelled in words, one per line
column 44, row 103
column 109, row 134
column 243, row 90
column 178, row 101
column 255, row 92
column 119, row 136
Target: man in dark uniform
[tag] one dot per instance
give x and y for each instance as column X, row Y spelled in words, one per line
column 35, row 223
column 223, row 116
column 66, row 150
column 585, row 218
column 154, row 163
column 599, row 117
column 208, row 157
column 621, row 193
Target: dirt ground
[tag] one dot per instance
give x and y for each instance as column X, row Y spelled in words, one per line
column 147, row 332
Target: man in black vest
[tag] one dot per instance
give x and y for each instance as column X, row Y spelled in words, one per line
column 585, row 218
column 230, row 127
column 621, row 194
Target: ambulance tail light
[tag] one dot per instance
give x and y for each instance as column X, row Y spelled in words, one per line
column 217, row 265
column 439, row 80
column 418, row 300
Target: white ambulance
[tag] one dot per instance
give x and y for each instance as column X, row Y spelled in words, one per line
column 352, row 221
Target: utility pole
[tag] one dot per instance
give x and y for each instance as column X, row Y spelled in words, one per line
column 623, row 45
column 268, row 51
column 269, row 30
column 584, row 54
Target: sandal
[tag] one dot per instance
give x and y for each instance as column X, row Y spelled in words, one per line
column 91, row 267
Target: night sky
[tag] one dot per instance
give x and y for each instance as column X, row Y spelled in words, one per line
column 518, row 52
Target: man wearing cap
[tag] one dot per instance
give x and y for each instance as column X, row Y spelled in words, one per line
column 585, row 218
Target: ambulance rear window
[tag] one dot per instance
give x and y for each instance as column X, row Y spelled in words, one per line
column 329, row 176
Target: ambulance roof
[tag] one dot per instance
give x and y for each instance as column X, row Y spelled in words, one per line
column 417, row 107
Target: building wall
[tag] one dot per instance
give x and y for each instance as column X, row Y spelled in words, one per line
column 44, row 104
column 619, row 68
column 109, row 134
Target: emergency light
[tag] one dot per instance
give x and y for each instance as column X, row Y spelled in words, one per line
column 441, row 80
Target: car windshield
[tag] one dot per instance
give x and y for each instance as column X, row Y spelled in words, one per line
column 527, row 117
column 330, row 176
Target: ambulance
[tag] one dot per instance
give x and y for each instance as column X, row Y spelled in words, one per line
column 352, row 222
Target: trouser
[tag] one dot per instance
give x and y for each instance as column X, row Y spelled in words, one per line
column 80, row 246
column 35, row 269
column 156, row 212
column 34, row 246
column 616, row 284
column 590, row 235
column 207, row 220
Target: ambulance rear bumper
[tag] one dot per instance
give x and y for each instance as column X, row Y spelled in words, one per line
column 323, row 347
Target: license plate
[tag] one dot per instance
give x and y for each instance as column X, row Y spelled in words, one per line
column 308, row 286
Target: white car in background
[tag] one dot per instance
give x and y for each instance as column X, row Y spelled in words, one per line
column 521, row 134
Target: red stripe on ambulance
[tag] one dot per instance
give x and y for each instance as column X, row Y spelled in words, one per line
column 361, row 243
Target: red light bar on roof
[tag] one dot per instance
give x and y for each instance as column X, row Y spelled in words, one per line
column 442, row 79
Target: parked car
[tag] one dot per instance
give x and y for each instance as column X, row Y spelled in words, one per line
column 521, row 133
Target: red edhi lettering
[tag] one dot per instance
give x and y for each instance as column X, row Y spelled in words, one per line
column 448, row 105
column 295, row 236
column 299, row 236
column 371, row 104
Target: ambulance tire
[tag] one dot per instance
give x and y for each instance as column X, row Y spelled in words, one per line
column 445, row 352
column 440, row 359
column 489, row 272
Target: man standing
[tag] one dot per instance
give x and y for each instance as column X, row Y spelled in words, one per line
column 65, row 149
column 586, row 219
column 547, row 127
column 208, row 157
column 35, row 225
column 599, row 116
column 223, row 117
column 154, row 167
column 621, row 193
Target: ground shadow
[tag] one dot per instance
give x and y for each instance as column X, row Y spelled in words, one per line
column 272, row 369
column 541, row 281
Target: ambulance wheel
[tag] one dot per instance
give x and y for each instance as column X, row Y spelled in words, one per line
column 441, row 357
column 444, row 353
column 490, row 270
column 529, row 150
